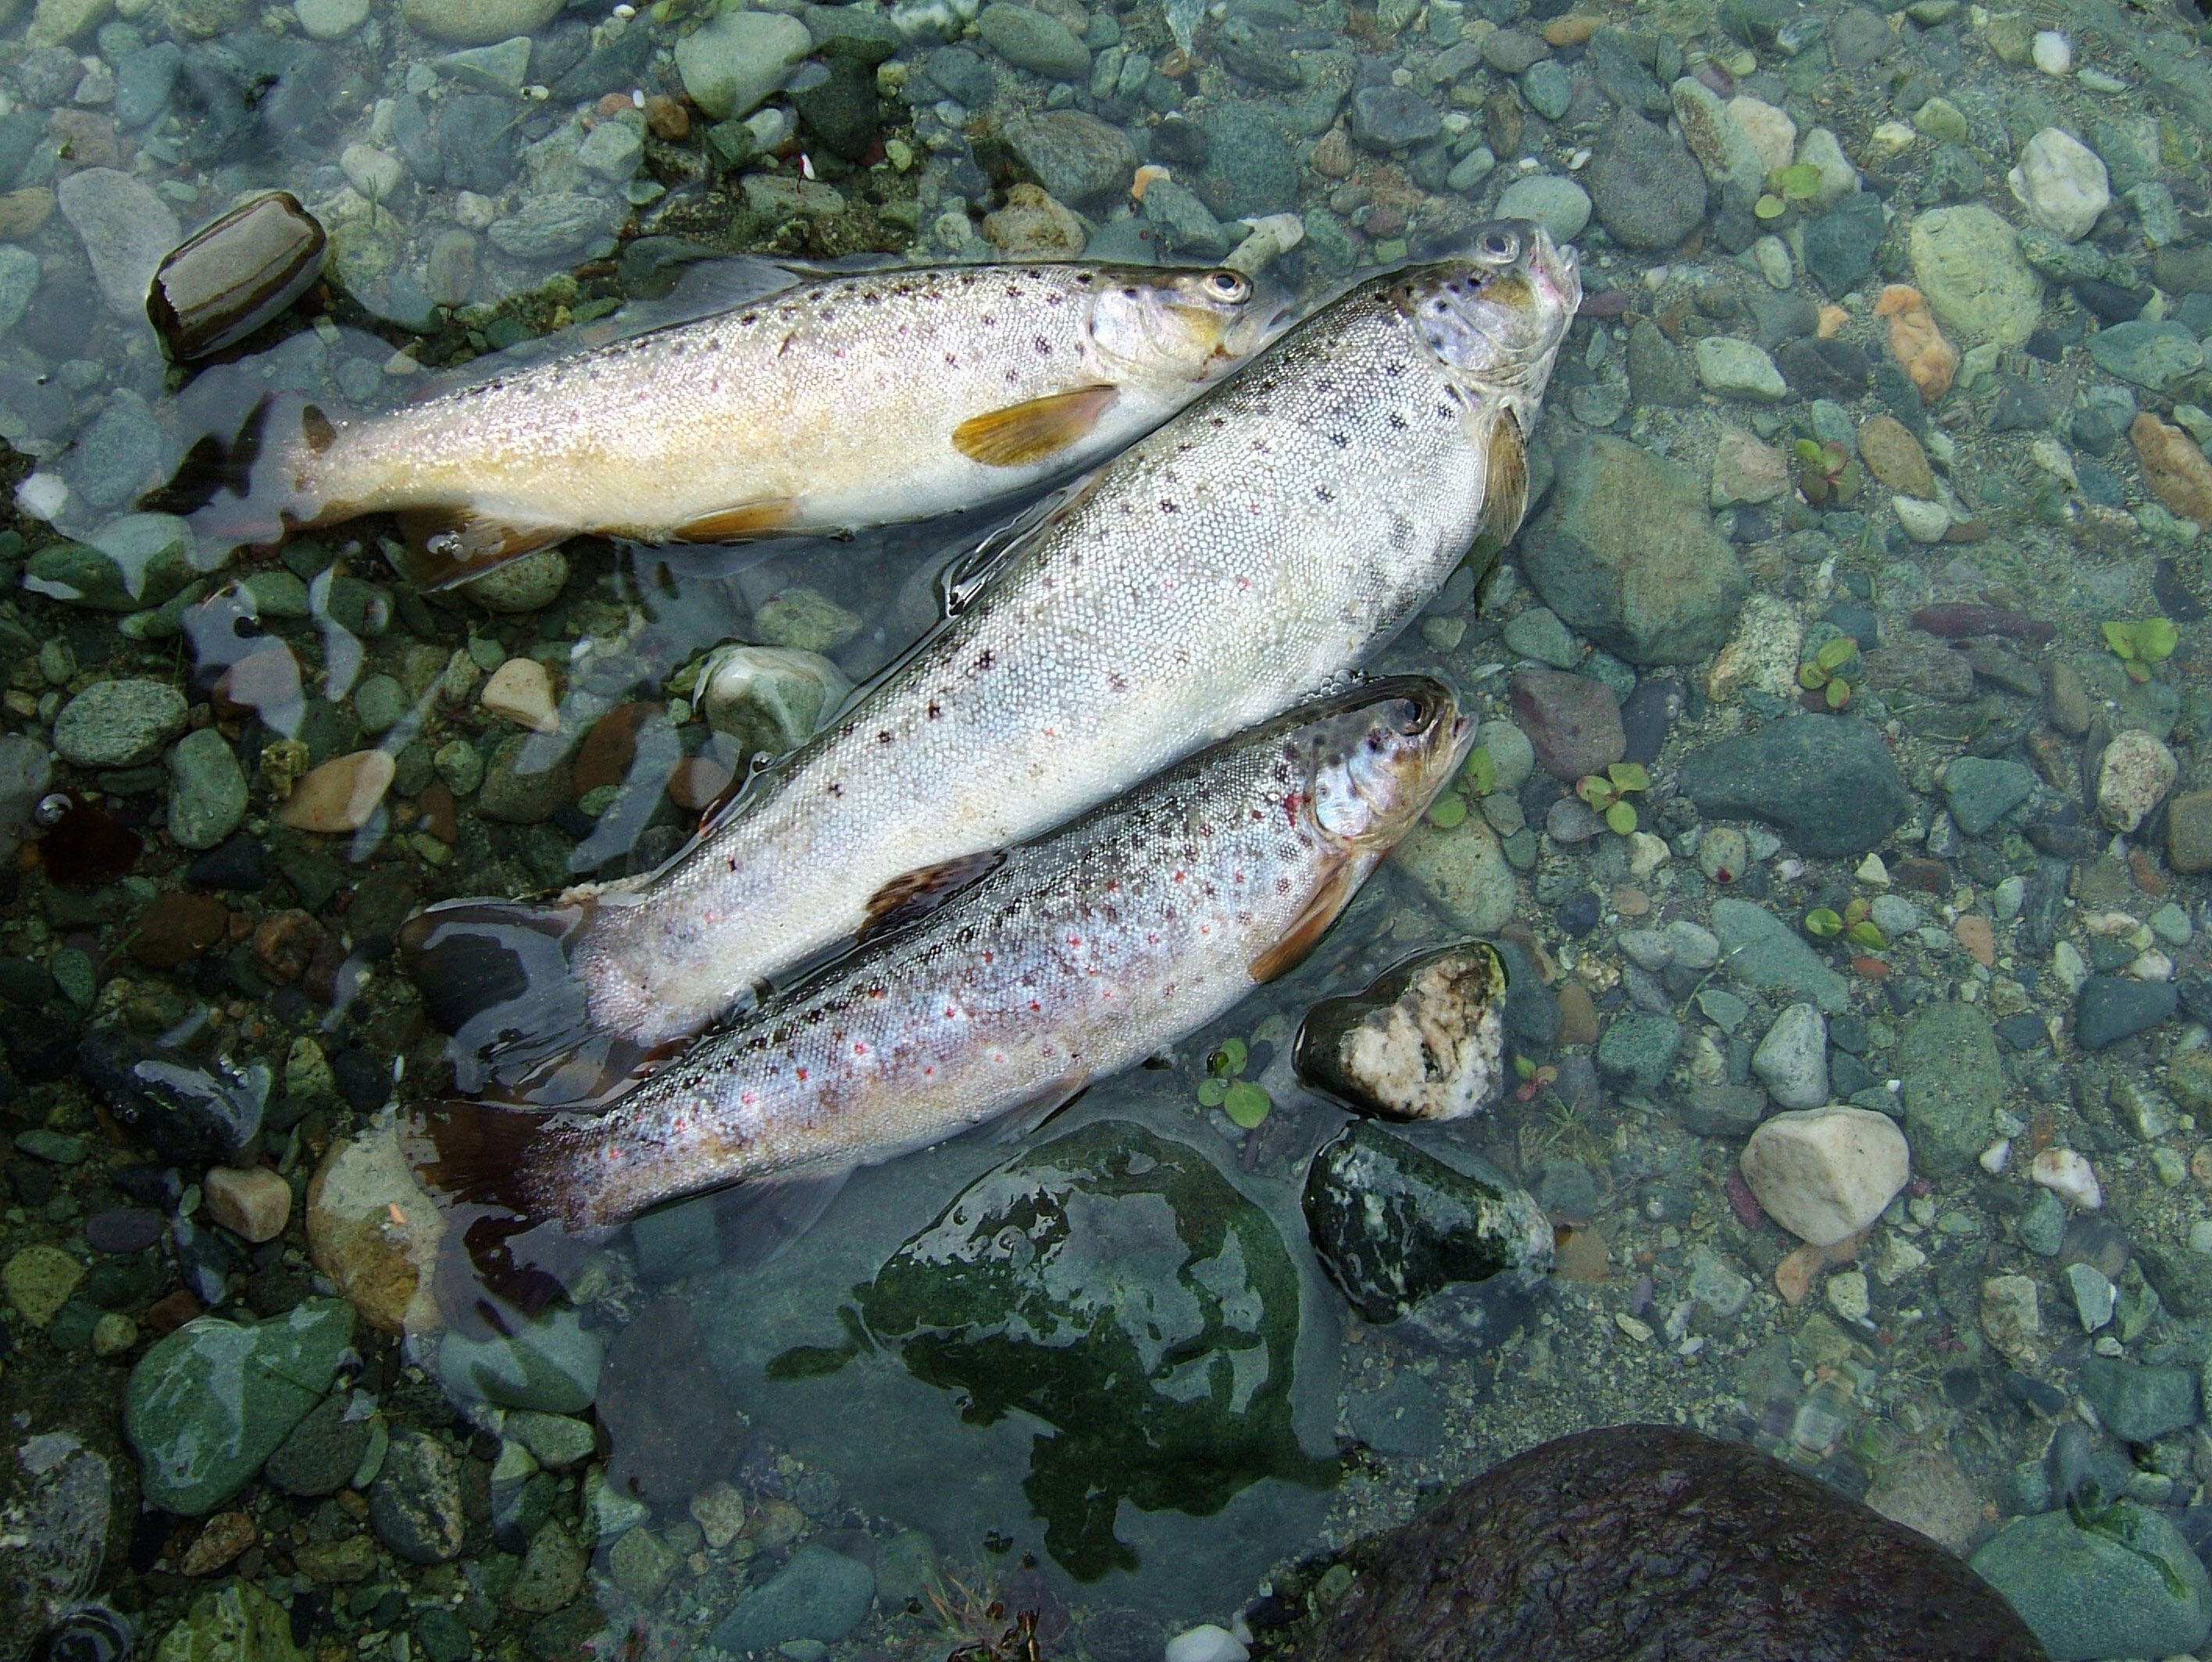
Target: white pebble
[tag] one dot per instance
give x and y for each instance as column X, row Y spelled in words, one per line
column 2054, row 53
column 1205, row 1643
column 2070, row 1176
column 1997, row 1157
column 42, row 496
column 1923, row 522
column 2152, row 967
column 521, row 690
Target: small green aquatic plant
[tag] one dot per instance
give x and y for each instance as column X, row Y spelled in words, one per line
column 1241, row 1100
column 1479, row 771
column 1607, row 793
column 1855, row 922
column 1825, row 471
column 2139, row 645
column 1822, row 673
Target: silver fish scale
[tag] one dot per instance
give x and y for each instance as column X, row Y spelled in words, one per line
column 702, row 415
column 1221, row 569
column 1079, row 957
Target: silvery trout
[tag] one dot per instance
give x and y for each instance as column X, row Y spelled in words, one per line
column 847, row 401
column 1064, row 962
column 1248, row 555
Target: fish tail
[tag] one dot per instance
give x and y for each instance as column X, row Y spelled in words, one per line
column 519, row 1223
column 249, row 489
column 499, row 976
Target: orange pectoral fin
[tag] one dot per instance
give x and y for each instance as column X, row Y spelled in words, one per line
column 748, row 519
column 1330, row 896
column 445, row 546
column 1025, row 433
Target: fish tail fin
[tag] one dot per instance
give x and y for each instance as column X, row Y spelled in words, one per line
column 507, row 1180
column 499, row 976
column 249, row 489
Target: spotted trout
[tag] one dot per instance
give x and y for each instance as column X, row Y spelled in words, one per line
column 1067, row 959
column 847, row 401
column 1249, row 553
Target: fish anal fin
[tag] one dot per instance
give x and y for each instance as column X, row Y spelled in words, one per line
column 1505, row 492
column 1330, row 896
column 754, row 1222
column 1030, row 1112
column 912, row 894
column 445, row 546
column 747, row 520
column 1030, row 432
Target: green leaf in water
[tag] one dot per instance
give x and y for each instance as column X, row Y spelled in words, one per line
column 1210, row 1093
column 1629, row 776
column 1869, row 935
column 1447, row 810
column 1770, row 207
column 1837, row 652
column 1795, row 184
column 1246, row 1104
column 1822, row 923
column 1482, row 771
column 1622, row 816
column 1228, row 1061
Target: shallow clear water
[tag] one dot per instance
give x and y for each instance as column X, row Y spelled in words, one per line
column 896, row 1438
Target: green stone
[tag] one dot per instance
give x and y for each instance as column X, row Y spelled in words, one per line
column 137, row 561
column 209, row 1403
column 2140, row 1404
column 235, row 1622
column 2121, row 1581
column 1641, row 1046
column 807, row 620
column 1953, row 1084
column 1113, row 1285
column 1967, row 262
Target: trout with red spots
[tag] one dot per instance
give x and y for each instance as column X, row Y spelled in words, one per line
column 1066, row 960
column 1248, row 555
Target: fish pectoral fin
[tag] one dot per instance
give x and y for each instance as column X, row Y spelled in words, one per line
column 1030, row 1112
column 1330, row 896
column 916, row 893
column 1506, row 491
column 445, row 546
column 1030, row 432
column 762, row 518
column 754, row 1222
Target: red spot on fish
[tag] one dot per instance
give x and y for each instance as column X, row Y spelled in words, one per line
column 802, row 1076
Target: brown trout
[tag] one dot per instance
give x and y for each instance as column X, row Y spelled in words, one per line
column 1066, row 960
column 1247, row 555
column 848, row 400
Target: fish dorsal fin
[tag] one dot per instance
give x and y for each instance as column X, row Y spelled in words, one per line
column 1030, row 432
column 445, row 546
column 1330, row 896
column 916, row 893
column 747, row 520
column 1505, row 492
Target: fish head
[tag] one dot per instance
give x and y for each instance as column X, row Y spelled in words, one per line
column 1165, row 325
column 1378, row 762
column 1494, row 317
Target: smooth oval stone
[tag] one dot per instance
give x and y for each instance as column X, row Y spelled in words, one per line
column 1649, row 1540
column 234, row 274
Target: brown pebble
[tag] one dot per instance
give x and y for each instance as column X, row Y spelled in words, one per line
column 340, row 795
column 1893, row 456
column 612, row 104
column 87, row 139
column 252, row 1202
column 666, row 119
column 441, row 815
column 605, row 756
column 171, row 1311
column 1333, row 155
column 2174, row 469
column 1577, row 1015
column 2200, row 1163
column 221, row 1539
column 1571, row 30
column 285, row 943
column 319, row 981
column 1928, row 877
column 2142, row 865
column 23, row 213
column 176, row 928
column 696, row 782
column 1631, row 902
column 1976, row 936
column 1579, row 1255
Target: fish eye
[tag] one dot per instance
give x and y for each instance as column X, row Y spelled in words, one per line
column 1227, row 285
column 52, row 809
column 1498, row 245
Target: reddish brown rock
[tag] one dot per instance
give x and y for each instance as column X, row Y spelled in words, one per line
column 2174, row 469
column 1648, row 1541
column 1573, row 722
column 176, row 928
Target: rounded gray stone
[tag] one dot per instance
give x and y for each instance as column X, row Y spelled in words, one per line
column 119, row 723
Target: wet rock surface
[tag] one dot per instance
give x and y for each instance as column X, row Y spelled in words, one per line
column 1646, row 1535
